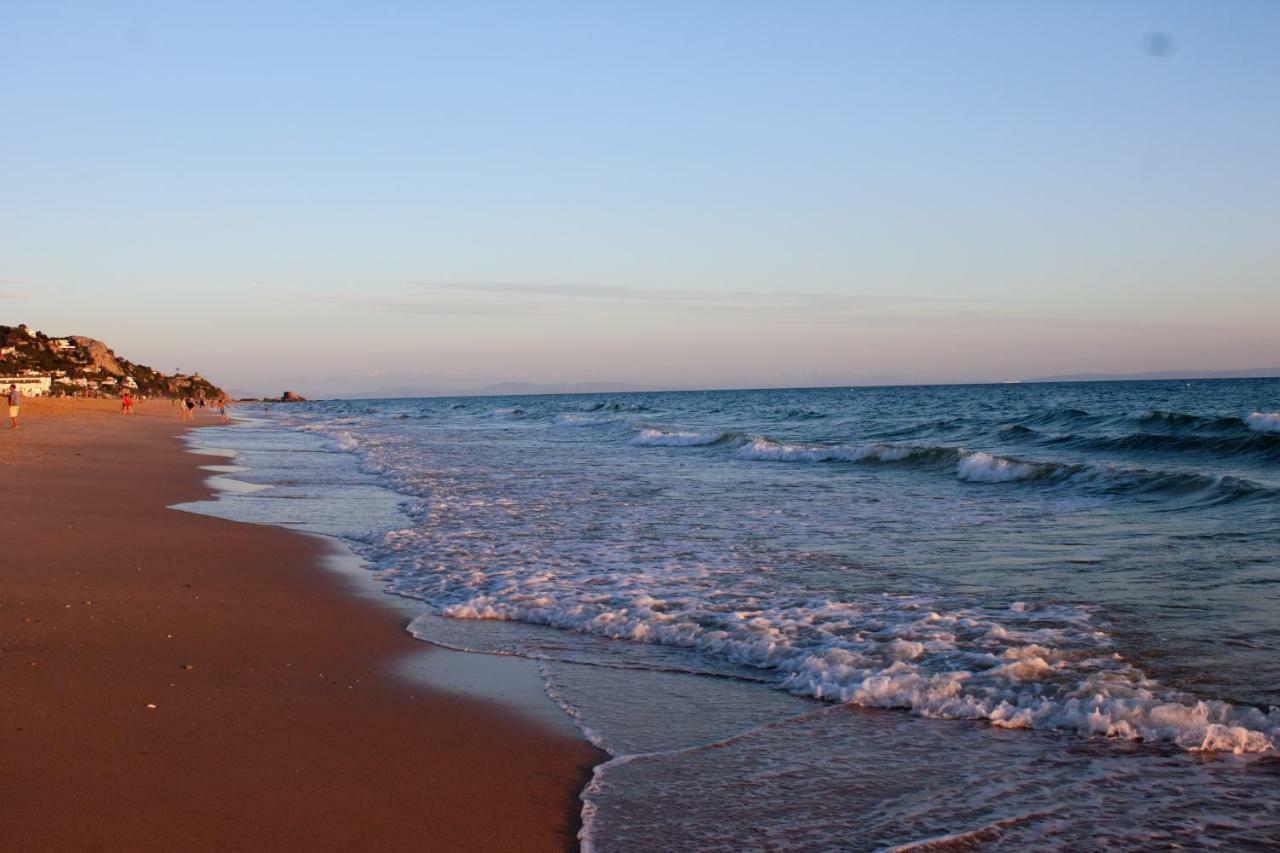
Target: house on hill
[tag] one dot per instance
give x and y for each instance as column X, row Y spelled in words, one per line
column 36, row 385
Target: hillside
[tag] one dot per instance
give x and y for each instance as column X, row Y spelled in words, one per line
column 77, row 365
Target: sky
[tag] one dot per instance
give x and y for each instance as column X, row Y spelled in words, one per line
column 348, row 198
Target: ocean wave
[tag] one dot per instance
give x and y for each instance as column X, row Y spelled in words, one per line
column 1192, row 489
column 1187, row 421
column 1188, row 488
column 1063, row 417
column 767, row 450
column 1257, row 442
column 677, row 438
column 615, row 406
column 937, row 425
column 981, row 467
column 1025, row 667
column 583, row 420
column 1265, row 443
column 798, row 414
column 1265, row 422
column 1175, row 429
column 505, row 413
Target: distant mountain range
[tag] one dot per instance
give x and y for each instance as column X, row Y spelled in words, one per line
column 1249, row 373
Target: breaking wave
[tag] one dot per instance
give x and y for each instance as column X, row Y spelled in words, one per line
column 583, row 420
column 678, row 438
column 767, row 450
column 983, row 467
column 1183, row 420
column 1026, row 667
column 1265, row 422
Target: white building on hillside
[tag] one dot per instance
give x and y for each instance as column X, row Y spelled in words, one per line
column 30, row 386
column 63, row 344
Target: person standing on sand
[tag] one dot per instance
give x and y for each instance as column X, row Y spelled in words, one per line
column 15, row 400
column 191, row 409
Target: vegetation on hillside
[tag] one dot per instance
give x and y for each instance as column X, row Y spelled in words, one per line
column 79, row 365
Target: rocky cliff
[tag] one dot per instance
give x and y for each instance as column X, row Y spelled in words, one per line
column 100, row 355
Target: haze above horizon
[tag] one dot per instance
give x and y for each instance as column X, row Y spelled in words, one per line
column 333, row 198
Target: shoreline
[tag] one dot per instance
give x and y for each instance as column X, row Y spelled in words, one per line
column 283, row 713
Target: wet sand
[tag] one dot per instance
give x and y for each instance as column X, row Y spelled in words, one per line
column 278, row 722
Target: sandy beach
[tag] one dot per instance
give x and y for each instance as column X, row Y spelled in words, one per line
column 172, row 681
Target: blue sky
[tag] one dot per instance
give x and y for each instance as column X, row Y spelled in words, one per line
column 417, row 196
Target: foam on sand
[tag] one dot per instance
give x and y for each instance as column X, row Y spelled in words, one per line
column 1042, row 668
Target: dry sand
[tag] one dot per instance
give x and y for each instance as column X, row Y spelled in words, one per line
column 277, row 724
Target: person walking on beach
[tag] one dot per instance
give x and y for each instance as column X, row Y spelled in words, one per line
column 15, row 400
column 222, row 411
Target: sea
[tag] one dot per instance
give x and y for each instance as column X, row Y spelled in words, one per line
column 1020, row 616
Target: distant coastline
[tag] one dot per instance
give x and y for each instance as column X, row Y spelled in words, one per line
column 1249, row 373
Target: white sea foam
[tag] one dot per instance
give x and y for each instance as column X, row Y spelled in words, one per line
column 1264, row 421
column 764, row 449
column 1041, row 672
column 569, row 420
column 486, row 545
column 678, row 438
column 506, row 413
column 979, row 467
